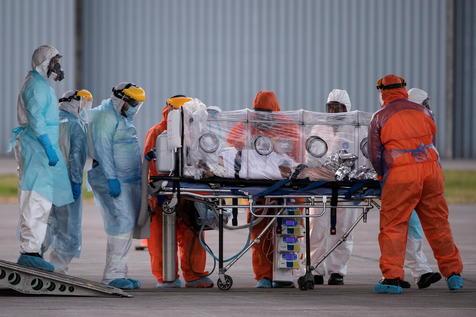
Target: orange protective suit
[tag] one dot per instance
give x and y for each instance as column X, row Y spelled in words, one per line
column 401, row 149
column 262, row 253
column 267, row 101
column 192, row 255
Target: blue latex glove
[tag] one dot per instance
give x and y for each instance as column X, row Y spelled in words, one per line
column 76, row 189
column 50, row 151
column 114, row 187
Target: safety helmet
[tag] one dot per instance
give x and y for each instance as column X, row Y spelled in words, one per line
column 76, row 95
column 177, row 101
column 77, row 102
column 130, row 93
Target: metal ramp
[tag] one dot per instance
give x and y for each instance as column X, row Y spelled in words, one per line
column 28, row 280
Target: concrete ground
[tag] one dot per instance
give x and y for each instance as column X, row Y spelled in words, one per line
column 355, row 298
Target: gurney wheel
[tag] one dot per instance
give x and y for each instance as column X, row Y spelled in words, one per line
column 304, row 284
column 227, row 285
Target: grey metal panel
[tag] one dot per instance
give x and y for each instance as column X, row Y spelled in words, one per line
column 224, row 51
column 25, row 25
column 464, row 132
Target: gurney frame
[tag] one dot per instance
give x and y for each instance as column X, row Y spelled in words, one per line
column 227, row 194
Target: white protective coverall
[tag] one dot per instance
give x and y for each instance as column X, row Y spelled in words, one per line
column 321, row 239
column 42, row 170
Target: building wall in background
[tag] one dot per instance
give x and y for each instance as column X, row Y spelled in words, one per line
column 25, row 25
column 464, row 130
column 224, row 51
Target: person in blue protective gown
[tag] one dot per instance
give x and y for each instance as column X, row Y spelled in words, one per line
column 43, row 176
column 115, row 176
column 63, row 235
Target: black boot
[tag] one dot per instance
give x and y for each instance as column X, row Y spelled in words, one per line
column 427, row 279
column 404, row 284
column 318, row 279
column 336, row 279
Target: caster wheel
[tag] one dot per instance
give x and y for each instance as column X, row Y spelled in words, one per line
column 227, row 285
column 310, row 285
column 305, row 284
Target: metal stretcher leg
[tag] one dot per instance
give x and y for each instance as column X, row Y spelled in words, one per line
column 307, row 281
column 344, row 236
column 243, row 252
column 225, row 282
column 234, row 219
column 334, row 202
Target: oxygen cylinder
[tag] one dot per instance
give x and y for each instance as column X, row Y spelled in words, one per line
column 169, row 250
column 174, row 129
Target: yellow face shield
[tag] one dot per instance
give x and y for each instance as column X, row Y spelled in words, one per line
column 135, row 93
column 85, row 94
column 85, row 104
column 177, row 102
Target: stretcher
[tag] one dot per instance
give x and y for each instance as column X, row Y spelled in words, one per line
column 254, row 195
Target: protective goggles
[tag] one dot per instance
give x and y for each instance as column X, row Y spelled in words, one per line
column 78, row 94
column 131, row 94
column 381, row 86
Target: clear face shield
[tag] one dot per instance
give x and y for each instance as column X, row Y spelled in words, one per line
column 131, row 108
column 85, row 107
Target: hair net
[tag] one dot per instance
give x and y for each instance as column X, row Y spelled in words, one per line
column 417, row 95
column 340, row 96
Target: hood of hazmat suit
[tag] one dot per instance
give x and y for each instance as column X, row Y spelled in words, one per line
column 340, row 96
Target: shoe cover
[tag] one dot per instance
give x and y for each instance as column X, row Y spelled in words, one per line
column 175, row 284
column 264, row 283
column 203, row 282
column 135, row 283
column 122, row 283
column 35, row 262
column 387, row 289
column 455, row 282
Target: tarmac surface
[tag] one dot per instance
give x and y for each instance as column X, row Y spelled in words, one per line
column 355, row 298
